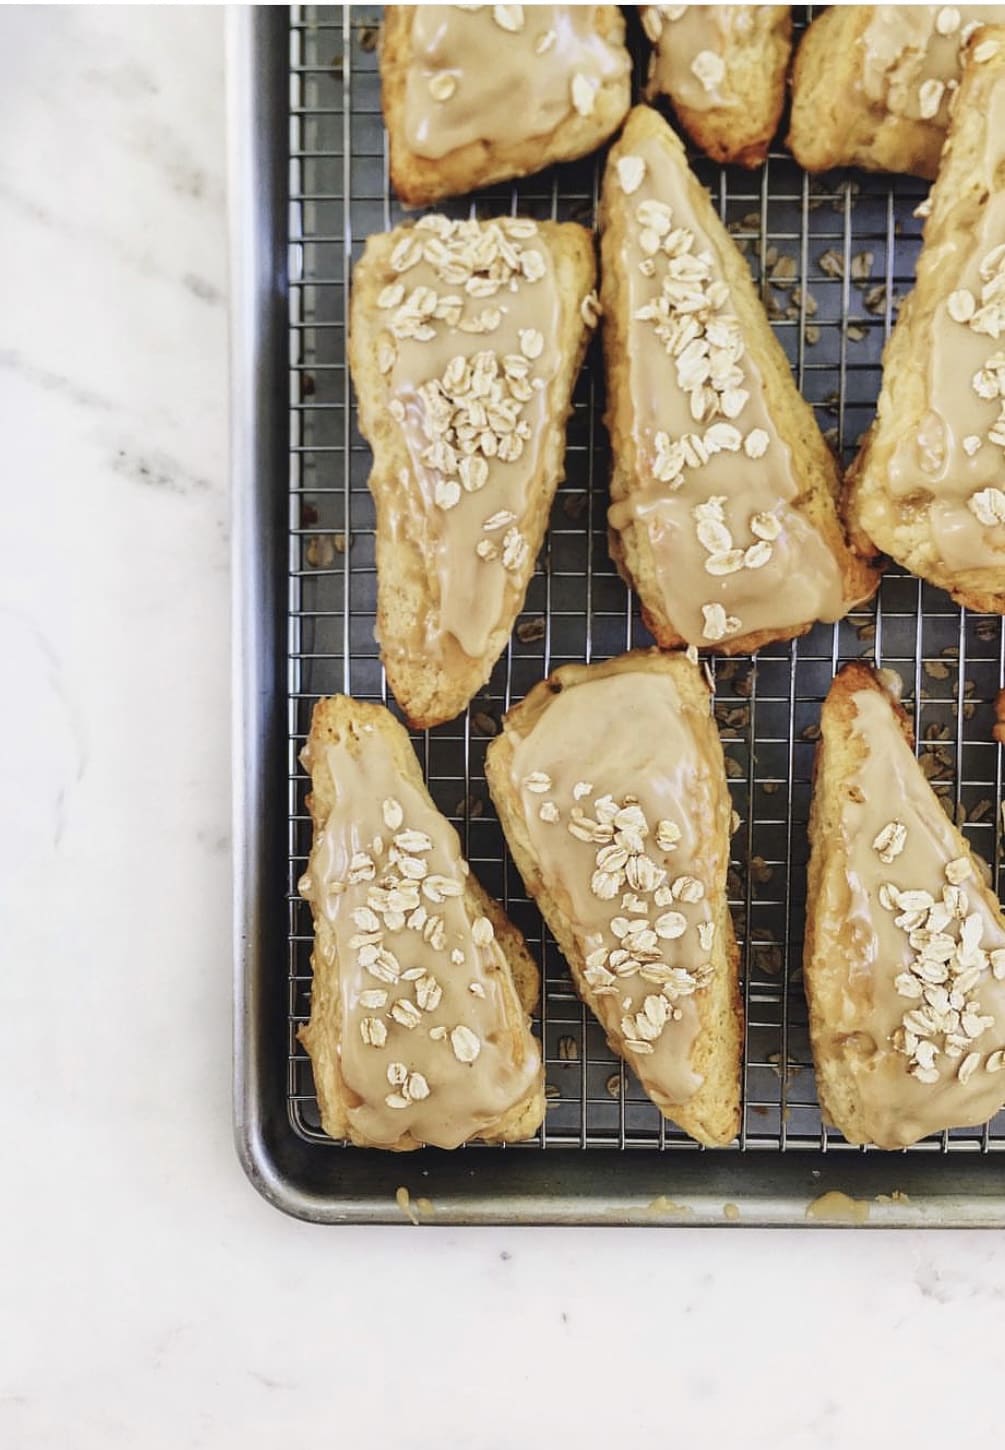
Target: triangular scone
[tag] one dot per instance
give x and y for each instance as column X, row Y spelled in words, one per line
column 873, row 85
column 723, row 514
column 466, row 339
column 723, row 68
column 610, row 785
column 474, row 94
column 928, row 487
column 904, row 963
column 418, row 1030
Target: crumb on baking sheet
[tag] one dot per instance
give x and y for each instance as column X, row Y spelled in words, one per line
column 998, row 732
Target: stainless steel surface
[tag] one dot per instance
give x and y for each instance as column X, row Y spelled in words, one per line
column 834, row 256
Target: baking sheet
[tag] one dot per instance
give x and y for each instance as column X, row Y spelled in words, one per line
column 834, row 256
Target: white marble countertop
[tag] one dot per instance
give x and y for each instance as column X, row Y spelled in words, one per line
column 150, row 1299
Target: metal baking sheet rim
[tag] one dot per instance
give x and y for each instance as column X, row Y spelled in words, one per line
column 519, row 1186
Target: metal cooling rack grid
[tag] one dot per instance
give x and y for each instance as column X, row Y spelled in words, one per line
column 833, row 256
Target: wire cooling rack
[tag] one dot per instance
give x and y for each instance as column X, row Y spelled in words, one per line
column 834, row 256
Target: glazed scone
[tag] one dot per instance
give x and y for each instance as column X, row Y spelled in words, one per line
column 872, row 85
column 904, row 961
column 723, row 69
column 723, row 515
column 418, row 1030
column 928, row 486
column 474, row 94
column 465, row 341
column 610, row 785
